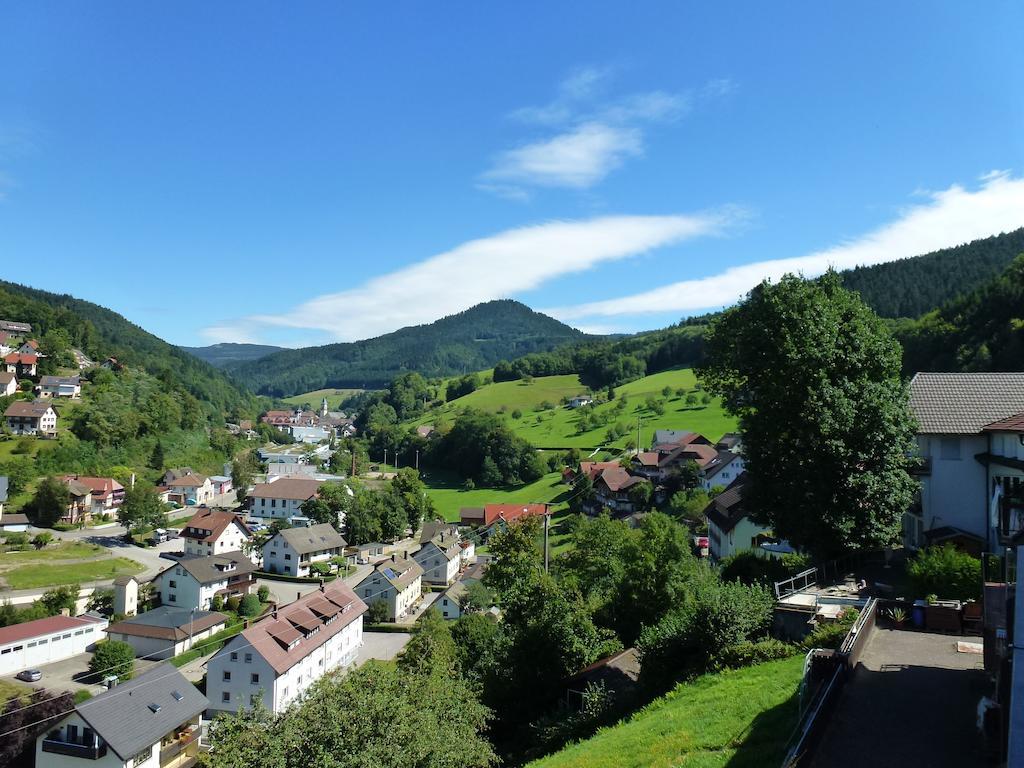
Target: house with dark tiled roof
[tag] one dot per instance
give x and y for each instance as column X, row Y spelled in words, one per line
column 970, row 440
column 288, row 650
column 614, row 489
column 8, row 383
column 441, row 557
column 214, row 531
column 31, row 418
column 60, row 386
column 193, row 581
column 166, row 631
column 396, row 582
column 153, row 720
column 294, row 551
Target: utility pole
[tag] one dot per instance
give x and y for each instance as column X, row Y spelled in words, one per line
column 637, row 435
column 417, row 461
column 385, row 461
column 547, row 523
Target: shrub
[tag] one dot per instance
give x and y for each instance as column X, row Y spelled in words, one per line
column 377, row 612
column 748, row 653
column 263, row 593
column 748, row 568
column 321, row 569
column 112, row 657
column 233, row 603
column 831, row 635
column 249, row 606
column 217, row 603
column 946, row 572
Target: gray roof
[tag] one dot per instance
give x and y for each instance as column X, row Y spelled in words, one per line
column 313, row 539
column 3, row 488
column 670, row 436
column 49, row 381
column 124, row 719
column 727, row 509
column 210, row 568
column 964, row 403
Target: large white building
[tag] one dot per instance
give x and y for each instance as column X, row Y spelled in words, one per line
column 281, row 498
column 214, row 532
column 151, row 721
column 44, row 641
column 280, row 656
column 193, row 581
column 397, row 582
column 971, row 443
column 293, row 551
column 440, row 557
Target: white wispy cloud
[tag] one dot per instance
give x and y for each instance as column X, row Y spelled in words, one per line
column 502, row 265
column 593, row 135
column 949, row 217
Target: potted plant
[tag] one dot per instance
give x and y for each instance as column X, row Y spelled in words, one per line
column 897, row 617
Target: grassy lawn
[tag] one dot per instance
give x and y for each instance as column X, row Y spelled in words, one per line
column 738, row 718
column 449, row 497
column 10, row 690
column 65, row 550
column 334, row 397
column 32, row 576
column 557, row 427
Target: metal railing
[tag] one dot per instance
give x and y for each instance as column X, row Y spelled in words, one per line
column 800, row 582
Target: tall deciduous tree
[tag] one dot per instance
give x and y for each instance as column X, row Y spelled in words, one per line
column 814, row 377
column 141, row 508
column 50, row 502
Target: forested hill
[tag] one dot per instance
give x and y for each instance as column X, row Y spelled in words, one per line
column 910, row 287
column 223, row 355
column 469, row 341
column 59, row 320
column 981, row 331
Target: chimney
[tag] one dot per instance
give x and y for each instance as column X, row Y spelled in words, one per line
column 394, row 558
column 298, row 595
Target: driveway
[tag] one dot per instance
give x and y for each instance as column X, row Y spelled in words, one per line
column 61, row 675
column 284, row 592
column 411, row 618
column 381, row 645
column 911, row 701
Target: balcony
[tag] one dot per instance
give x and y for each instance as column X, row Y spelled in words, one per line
column 182, row 752
column 67, row 748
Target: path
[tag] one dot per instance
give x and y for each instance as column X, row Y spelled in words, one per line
column 912, row 701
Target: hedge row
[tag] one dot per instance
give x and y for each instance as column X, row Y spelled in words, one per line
column 209, row 645
column 295, row 579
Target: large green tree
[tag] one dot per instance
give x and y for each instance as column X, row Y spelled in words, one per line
column 141, row 509
column 814, row 377
column 50, row 502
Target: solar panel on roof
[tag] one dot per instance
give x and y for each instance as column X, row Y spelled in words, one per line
column 390, row 574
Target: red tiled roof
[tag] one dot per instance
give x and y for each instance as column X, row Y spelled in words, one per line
column 23, row 359
column 1012, row 424
column 618, row 479
column 594, row 468
column 24, row 408
column 271, row 636
column 511, row 512
column 39, row 627
column 215, row 521
column 101, row 487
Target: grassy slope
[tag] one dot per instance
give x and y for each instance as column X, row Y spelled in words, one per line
column 556, row 428
column 334, row 397
column 735, row 718
column 449, row 497
column 44, row 568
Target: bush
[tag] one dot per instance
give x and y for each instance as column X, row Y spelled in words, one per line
column 377, row 612
column 263, row 593
column 249, row 606
column 112, row 657
column 946, row 572
column 217, row 603
column 831, row 635
column 748, row 568
column 748, row 653
column 233, row 603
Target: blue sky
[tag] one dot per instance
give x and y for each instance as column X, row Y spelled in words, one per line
column 299, row 174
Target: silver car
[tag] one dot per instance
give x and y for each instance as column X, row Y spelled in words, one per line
column 30, row 675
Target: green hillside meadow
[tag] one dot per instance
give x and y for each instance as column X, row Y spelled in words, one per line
column 556, row 428
column 737, row 719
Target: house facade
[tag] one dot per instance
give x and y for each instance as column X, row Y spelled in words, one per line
column 150, row 721
column 8, row 383
column 397, row 582
column 24, row 366
column 166, row 630
column 104, row 495
column 440, row 557
column 730, row 529
column 970, row 444
column 31, row 418
column 214, row 532
column 281, row 498
column 192, row 582
column 60, row 386
column 294, row 551
column 280, row 656
column 614, row 489
column 188, row 487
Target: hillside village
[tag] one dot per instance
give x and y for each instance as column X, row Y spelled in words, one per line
column 332, row 541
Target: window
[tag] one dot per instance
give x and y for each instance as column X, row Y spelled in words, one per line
column 18, row 647
column 142, row 757
column 287, row 557
column 248, row 658
column 284, row 693
column 367, row 592
column 172, row 598
column 949, row 449
column 225, row 696
column 226, row 677
column 234, row 655
column 254, row 679
column 177, row 571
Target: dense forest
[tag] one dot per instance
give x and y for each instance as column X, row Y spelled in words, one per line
column 910, row 287
column 223, row 355
column 980, row 331
column 101, row 333
column 469, row 341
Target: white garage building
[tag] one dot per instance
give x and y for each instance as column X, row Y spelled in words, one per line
column 44, row 641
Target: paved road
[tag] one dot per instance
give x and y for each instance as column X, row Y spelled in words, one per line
column 411, row 618
column 381, row 645
column 911, row 701
column 65, row 675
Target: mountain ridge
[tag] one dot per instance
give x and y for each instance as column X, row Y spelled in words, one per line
column 225, row 353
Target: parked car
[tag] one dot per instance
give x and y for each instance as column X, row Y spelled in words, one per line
column 30, row 675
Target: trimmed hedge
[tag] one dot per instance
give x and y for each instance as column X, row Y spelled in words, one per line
column 387, row 628
column 209, row 645
column 294, row 579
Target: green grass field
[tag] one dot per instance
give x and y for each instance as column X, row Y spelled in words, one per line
column 65, row 550
column 10, row 690
column 334, row 397
column 556, row 428
column 32, row 576
column 738, row 718
column 448, row 495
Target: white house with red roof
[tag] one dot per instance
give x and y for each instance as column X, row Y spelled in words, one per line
column 280, row 656
column 31, row 418
column 105, row 493
column 970, row 440
column 21, row 364
column 214, row 532
column 44, row 641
